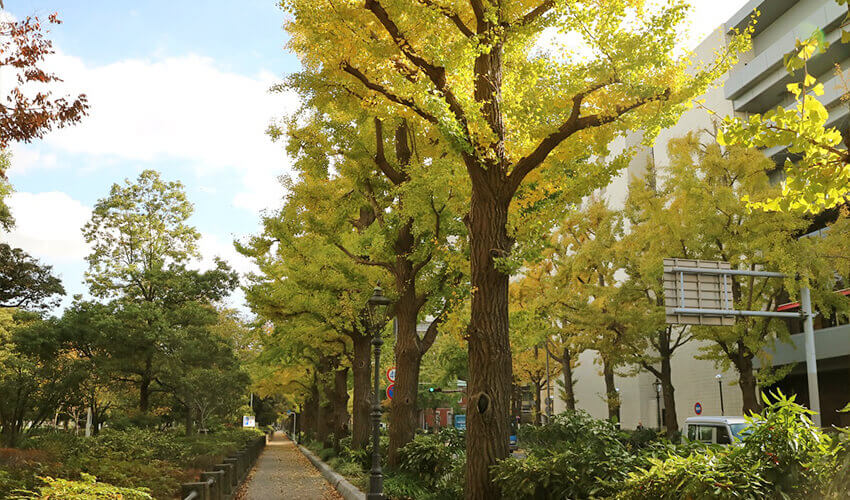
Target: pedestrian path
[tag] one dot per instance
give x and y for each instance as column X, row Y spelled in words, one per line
column 282, row 472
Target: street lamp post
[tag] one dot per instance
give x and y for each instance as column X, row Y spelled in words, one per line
column 377, row 305
column 657, row 385
column 719, row 378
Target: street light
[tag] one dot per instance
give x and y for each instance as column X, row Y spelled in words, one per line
column 719, row 378
column 657, row 385
column 377, row 308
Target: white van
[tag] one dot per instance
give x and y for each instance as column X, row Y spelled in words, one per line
column 715, row 430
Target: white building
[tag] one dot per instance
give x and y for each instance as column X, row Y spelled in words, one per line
column 755, row 85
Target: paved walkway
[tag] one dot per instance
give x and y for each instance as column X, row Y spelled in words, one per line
column 282, row 472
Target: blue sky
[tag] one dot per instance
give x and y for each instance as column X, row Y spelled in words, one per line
column 178, row 86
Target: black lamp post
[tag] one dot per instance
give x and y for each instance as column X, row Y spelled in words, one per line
column 377, row 307
column 657, row 385
column 719, row 378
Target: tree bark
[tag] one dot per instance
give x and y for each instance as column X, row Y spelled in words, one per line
column 145, row 394
column 612, row 396
column 361, row 367
column 538, row 409
column 189, row 421
column 489, row 345
column 340, row 405
column 402, row 418
column 671, row 420
column 749, row 385
column 569, row 391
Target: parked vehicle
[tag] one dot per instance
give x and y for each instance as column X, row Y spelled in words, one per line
column 716, row 430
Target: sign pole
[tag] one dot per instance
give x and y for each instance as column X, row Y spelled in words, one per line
column 811, row 358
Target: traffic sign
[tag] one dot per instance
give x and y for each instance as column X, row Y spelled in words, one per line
column 248, row 421
column 460, row 422
column 390, row 391
column 698, row 409
column 391, row 374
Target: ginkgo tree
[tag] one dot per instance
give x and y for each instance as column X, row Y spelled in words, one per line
column 817, row 167
column 519, row 118
column 699, row 210
column 367, row 186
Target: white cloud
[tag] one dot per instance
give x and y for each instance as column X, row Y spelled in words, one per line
column 184, row 108
column 48, row 226
column 212, row 246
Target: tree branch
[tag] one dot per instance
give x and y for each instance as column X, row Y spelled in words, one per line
column 395, row 176
column 537, row 12
column 573, row 124
column 408, row 103
column 435, row 73
column 451, row 16
column 364, row 260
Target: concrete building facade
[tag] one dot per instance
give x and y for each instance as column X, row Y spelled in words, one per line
column 755, row 85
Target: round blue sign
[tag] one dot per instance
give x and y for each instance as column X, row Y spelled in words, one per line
column 390, row 391
column 698, row 409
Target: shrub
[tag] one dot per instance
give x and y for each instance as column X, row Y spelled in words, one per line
column 574, row 456
column 783, row 456
column 430, row 456
column 85, row 489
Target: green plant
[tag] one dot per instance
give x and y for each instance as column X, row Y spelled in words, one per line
column 574, row 456
column 87, row 488
column 783, row 456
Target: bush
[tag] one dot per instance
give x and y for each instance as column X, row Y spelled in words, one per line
column 574, row 456
column 430, row 456
column 85, row 489
column 784, row 456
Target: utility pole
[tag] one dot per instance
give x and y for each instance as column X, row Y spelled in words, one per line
column 811, row 358
column 548, row 386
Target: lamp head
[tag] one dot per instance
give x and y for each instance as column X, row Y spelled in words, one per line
column 718, row 376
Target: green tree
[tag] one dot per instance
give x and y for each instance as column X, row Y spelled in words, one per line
column 701, row 212
column 37, row 376
column 25, row 282
column 377, row 207
column 518, row 121
column 306, row 286
column 141, row 244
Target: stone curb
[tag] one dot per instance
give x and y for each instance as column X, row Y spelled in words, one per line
column 342, row 485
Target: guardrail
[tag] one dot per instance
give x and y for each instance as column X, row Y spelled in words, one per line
column 222, row 482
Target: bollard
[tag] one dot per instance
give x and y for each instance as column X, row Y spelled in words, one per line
column 216, row 488
column 229, row 479
column 195, row 491
column 242, row 458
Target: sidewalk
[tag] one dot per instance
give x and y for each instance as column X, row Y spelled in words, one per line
column 282, row 472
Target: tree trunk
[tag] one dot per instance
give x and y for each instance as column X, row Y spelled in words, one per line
column 361, row 366
column 612, row 396
column 489, row 345
column 9, row 435
column 340, row 404
column 311, row 412
column 569, row 390
column 671, row 420
column 145, row 394
column 749, row 385
column 538, row 410
column 402, row 418
column 189, row 421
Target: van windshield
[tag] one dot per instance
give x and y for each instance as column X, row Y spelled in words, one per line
column 740, row 431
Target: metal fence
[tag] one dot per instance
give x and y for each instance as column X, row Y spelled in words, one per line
column 222, row 482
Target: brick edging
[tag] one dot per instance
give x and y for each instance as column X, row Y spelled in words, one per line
column 342, row 485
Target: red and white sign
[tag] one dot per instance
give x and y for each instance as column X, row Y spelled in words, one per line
column 391, row 374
